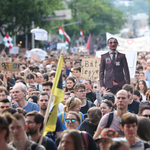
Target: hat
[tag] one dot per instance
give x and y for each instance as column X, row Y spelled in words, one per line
column 107, row 133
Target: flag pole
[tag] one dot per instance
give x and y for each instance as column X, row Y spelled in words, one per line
column 48, row 107
column 46, row 117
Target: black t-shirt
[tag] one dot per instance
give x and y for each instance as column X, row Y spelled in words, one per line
column 134, row 107
column 91, row 96
column 88, row 127
column 85, row 108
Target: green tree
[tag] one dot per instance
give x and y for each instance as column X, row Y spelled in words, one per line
column 97, row 16
column 18, row 14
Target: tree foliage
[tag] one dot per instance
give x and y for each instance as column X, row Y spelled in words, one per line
column 98, row 16
column 18, row 14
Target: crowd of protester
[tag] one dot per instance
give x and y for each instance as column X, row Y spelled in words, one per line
column 88, row 119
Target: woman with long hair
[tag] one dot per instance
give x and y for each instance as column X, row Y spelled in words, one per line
column 142, row 87
column 70, row 83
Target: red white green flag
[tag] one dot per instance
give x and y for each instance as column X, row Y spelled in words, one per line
column 8, row 41
column 64, row 35
column 81, row 34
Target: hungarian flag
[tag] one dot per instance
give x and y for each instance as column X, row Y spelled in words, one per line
column 64, row 35
column 8, row 41
column 81, row 34
column 67, row 47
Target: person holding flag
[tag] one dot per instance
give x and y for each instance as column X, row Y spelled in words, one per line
column 57, row 91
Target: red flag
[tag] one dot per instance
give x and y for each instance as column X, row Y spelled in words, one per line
column 88, row 43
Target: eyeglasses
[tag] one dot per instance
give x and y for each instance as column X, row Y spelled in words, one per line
column 82, row 91
column 113, row 42
column 29, row 122
column 146, row 116
column 72, row 120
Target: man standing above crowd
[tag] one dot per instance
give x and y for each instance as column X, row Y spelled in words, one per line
column 19, row 95
column 114, row 71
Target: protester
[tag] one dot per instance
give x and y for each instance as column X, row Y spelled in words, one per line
column 133, row 105
column 70, row 83
column 72, row 104
column 4, row 103
column 105, row 107
column 90, row 123
column 43, row 103
column 105, row 138
column 18, row 132
column 19, row 95
column 90, row 96
column 143, row 131
column 141, row 86
column 80, row 92
column 137, row 96
column 4, row 132
column 112, row 120
column 71, row 140
column 35, row 125
column 144, row 110
column 129, row 125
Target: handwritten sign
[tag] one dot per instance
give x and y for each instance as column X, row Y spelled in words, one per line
column 35, row 57
column 90, row 69
column 9, row 66
column 5, row 59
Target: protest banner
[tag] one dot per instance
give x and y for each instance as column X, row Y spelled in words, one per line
column 90, row 69
column 9, row 66
column 136, row 44
column 131, row 59
column 14, row 50
column 35, row 57
column 5, row 59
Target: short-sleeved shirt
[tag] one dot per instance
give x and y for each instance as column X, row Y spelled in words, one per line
column 85, row 108
column 91, row 96
column 115, row 123
column 29, row 107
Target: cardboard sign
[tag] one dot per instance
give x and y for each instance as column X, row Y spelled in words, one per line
column 9, row 66
column 90, row 69
column 4, row 59
column 52, row 59
column 35, row 57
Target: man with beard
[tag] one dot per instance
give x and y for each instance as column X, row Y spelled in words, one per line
column 43, row 103
column 35, row 125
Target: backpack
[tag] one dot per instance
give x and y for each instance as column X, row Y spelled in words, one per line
column 85, row 140
column 34, row 146
column 63, row 117
column 110, row 119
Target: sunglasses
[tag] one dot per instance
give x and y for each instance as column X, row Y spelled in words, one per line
column 144, row 103
column 72, row 120
column 146, row 116
column 107, row 101
column 108, row 96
